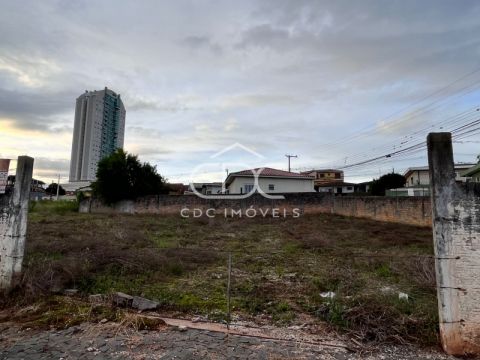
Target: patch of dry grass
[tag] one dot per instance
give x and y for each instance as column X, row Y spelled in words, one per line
column 280, row 268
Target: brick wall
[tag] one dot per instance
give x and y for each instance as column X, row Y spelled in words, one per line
column 406, row 210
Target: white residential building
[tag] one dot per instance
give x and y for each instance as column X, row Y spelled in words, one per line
column 270, row 181
column 415, row 176
column 98, row 131
column 336, row 187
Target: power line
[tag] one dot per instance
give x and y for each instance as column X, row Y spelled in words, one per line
column 462, row 118
column 362, row 132
column 422, row 145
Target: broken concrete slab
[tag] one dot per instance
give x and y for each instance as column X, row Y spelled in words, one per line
column 122, row 300
column 143, row 304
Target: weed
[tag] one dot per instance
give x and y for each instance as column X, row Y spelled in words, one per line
column 49, row 207
column 383, row 270
column 280, row 268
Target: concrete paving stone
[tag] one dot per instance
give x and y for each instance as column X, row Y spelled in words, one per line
column 191, row 344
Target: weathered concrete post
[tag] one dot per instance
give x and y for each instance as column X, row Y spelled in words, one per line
column 13, row 224
column 456, row 236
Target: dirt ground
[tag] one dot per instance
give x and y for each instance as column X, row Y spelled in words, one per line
column 371, row 281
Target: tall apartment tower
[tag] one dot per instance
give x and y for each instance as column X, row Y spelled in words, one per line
column 98, row 131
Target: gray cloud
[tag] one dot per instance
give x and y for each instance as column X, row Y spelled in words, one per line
column 34, row 110
column 201, row 43
column 42, row 163
column 277, row 73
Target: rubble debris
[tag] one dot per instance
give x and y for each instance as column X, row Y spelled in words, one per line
column 122, row 300
column 143, row 304
column 327, row 295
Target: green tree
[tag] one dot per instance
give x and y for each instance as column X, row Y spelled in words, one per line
column 122, row 176
column 385, row 182
column 52, row 189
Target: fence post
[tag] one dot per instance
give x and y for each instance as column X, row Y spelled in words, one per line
column 229, row 274
column 456, row 236
column 14, row 228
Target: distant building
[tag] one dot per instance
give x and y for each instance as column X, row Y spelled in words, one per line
column 212, row 188
column 77, row 186
column 177, row 188
column 472, row 174
column 270, row 181
column 325, row 176
column 98, row 131
column 336, row 187
column 37, row 187
column 417, row 181
column 205, row 188
column 415, row 176
column 363, row 187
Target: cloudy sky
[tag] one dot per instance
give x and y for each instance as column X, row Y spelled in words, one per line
column 334, row 82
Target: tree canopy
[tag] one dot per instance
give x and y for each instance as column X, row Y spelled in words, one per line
column 385, row 182
column 122, row 176
column 52, row 189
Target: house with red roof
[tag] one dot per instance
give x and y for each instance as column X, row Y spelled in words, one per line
column 269, row 181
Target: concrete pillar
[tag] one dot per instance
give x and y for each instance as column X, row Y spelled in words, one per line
column 456, row 236
column 13, row 225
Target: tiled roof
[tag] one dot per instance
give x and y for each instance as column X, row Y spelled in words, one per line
column 267, row 172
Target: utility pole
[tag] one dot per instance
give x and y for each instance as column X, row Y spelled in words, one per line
column 288, row 157
column 58, row 186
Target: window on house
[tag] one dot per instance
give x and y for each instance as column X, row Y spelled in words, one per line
column 248, row 188
column 349, row 188
column 271, row 187
column 322, row 175
column 337, row 175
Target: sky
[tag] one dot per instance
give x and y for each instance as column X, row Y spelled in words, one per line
column 334, row 82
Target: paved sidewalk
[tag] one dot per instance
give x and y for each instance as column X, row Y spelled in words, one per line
column 106, row 341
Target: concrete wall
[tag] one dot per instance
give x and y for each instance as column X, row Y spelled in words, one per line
column 407, row 210
column 13, row 224
column 456, row 234
column 280, row 185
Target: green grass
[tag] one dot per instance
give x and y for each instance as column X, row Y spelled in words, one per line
column 44, row 208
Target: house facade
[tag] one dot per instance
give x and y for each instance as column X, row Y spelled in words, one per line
column 416, row 176
column 472, row 174
column 324, row 176
column 336, row 187
column 270, row 181
column 212, row 188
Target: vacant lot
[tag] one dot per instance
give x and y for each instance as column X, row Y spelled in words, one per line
column 284, row 271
